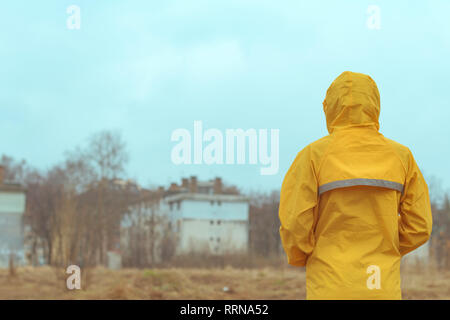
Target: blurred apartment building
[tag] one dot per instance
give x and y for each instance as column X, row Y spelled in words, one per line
column 203, row 217
column 12, row 209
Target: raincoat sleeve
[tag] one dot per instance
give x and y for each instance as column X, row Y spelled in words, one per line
column 298, row 200
column 415, row 220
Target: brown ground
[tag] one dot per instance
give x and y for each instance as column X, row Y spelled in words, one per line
column 266, row 283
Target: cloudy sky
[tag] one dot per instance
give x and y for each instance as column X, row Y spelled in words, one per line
column 147, row 68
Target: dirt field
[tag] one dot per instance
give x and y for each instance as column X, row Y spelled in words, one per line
column 269, row 283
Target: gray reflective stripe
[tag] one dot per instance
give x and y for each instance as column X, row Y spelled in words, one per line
column 360, row 182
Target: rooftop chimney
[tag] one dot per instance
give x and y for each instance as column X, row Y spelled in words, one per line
column 185, row 183
column 218, row 185
column 193, row 185
column 173, row 187
column 2, row 174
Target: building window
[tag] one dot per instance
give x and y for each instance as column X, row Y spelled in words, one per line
column 218, row 221
column 211, row 238
column 178, row 204
column 211, row 222
column 219, row 203
column 218, row 239
column 170, row 206
column 212, row 202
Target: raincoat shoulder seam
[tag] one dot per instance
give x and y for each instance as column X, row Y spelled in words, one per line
column 324, row 155
column 387, row 142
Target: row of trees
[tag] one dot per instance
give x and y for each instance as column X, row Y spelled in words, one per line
column 75, row 209
column 440, row 236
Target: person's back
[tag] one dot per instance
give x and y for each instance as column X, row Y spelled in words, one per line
column 354, row 202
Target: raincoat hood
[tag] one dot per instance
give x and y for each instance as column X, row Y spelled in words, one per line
column 352, row 100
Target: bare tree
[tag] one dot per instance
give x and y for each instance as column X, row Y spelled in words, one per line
column 16, row 171
column 75, row 208
column 147, row 233
column 107, row 154
column 264, row 224
column 440, row 237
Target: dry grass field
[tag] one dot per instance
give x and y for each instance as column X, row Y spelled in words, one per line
column 191, row 283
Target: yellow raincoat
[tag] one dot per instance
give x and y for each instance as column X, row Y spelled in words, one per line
column 354, row 202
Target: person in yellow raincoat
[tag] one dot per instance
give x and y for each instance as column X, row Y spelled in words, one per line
column 354, row 202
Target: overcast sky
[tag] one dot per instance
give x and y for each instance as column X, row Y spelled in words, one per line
column 147, row 68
